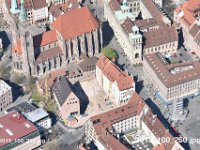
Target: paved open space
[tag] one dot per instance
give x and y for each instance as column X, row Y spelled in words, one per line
column 190, row 127
column 64, row 138
column 93, row 99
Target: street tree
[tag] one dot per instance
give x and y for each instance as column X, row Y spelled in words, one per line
column 109, row 52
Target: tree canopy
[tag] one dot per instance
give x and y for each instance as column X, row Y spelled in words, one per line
column 109, row 52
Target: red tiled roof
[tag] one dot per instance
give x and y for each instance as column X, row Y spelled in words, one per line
column 194, row 30
column 44, row 38
column 55, row 11
column 17, row 48
column 69, row 5
column 29, row 4
column 50, row 80
column 110, row 142
column 75, row 22
column 125, row 82
column 178, row 9
column 133, row 108
column 160, row 36
column 48, row 54
column 58, row 73
column 159, row 147
column 115, row 5
column 82, row 148
column 103, row 122
column 193, row 5
column 188, row 16
column 158, row 129
column 15, row 124
column 46, row 82
column 109, row 69
column 163, row 71
column 142, row 24
column 153, row 9
column 113, row 73
column 37, row 4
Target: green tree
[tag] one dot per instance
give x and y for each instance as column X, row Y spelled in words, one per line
column 37, row 97
column 109, row 52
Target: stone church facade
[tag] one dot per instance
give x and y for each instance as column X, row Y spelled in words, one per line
column 66, row 42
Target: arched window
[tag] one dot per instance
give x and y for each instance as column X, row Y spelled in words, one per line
column 136, row 55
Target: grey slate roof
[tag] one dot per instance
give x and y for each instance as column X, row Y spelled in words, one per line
column 62, row 89
column 23, row 107
column 88, row 64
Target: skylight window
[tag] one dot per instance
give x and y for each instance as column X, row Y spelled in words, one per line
column 9, row 132
column 27, row 125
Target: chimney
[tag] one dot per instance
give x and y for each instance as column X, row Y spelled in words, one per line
column 154, row 116
column 106, row 133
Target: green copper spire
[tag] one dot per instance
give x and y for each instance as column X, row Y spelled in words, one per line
column 23, row 15
column 14, row 8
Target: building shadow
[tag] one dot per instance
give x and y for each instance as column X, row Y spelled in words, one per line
column 139, row 84
column 164, row 121
column 5, row 40
column 37, row 42
column 17, row 90
column 92, row 146
column 120, row 66
column 157, row 111
column 84, row 101
column 180, row 38
column 53, row 118
column 107, row 33
column 185, row 103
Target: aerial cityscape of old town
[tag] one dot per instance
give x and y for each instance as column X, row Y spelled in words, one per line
column 99, row 74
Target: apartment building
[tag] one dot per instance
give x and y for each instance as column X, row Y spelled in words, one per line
column 187, row 18
column 116, row 14
column 57, row 8
column 114, row 81
column 38, row 116
column 132, row 41
column 88, row 67
column 172, row 81
column 157, row 36
column 45, row 86
column 40, row 11
column 18, row 133
column 34, row 11
column 5, row 95
column 67, row 101
column 163, row 40
column 106, row 129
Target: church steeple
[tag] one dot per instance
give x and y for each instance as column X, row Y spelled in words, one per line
column 14, row 8
column 23, row 15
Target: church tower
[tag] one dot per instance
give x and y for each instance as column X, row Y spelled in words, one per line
column 23, row 15
column 14, row 7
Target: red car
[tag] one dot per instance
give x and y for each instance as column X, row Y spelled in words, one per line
column 193, row 53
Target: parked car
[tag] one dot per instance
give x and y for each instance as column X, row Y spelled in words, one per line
column 193, row 53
